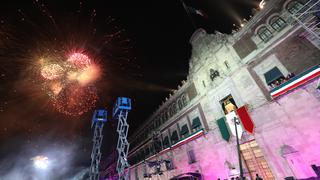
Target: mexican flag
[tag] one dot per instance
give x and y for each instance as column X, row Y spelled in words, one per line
column 227, row 127
column 230, row 121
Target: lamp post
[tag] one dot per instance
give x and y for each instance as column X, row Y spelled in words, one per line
column 236, row 122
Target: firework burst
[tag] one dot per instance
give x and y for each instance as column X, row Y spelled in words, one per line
column 75, row 100
column 52, row 71
column 70, row 83
column 61, row 54
column 79, row 60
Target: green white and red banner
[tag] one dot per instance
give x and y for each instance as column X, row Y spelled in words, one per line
column 227, row 127
column 296, row 81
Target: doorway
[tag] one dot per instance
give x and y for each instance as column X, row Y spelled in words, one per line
column 255, row 161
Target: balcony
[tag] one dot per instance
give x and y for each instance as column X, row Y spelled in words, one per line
column 294, row 82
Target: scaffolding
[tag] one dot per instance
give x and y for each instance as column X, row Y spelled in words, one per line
column 308, row 16
column 120, row 113
column 98, row 120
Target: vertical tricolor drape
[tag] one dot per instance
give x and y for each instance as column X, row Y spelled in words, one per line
column 245, row 118
column 230, row 121
column 223, row 128
column 226, row 124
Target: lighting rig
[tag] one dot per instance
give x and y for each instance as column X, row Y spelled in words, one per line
column 156, row 165
column 98, row 120
column 120, row 113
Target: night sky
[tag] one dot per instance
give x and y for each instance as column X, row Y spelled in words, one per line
column 142, row 48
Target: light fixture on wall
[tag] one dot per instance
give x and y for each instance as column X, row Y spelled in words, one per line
column 262, row 4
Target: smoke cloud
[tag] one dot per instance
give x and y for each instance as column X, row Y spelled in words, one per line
column 63, row 161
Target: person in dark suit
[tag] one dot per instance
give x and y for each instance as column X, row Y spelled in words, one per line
column 258, row 177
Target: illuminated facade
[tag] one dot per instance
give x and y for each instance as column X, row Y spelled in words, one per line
column 268, row 70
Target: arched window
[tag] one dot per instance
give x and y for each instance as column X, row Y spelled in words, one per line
column 277, row 23
column 166, row 114
column 164, row 119
column 184, row 100
column 180, row 104
column 161, row 118
column 173, row 109
column 294, row 6
column 170, row 111
column 157, row 123
column 264, row 33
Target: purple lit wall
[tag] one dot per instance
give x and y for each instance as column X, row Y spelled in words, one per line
column 286, row 129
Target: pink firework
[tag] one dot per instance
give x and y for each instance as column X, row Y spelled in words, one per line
column 79, row 60
column 52, row 71
column 75, row 100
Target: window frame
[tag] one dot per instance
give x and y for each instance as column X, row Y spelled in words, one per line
column 275, row 67
column 263, row 35
column 176, row 140
column 164, row 140
column 296, row 6
column 277, row 23
column 191, row 156
column 198, row 127
column 187, row 132
column 223, row 102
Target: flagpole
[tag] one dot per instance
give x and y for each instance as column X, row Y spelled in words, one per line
column 188, row 13
column 236, row 122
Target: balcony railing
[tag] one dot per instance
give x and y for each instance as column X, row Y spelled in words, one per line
column 180, row 142
column 296, row 81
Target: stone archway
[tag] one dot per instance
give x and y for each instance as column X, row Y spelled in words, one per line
column 295, row 162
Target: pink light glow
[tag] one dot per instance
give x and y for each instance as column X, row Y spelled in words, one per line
column 79, row 60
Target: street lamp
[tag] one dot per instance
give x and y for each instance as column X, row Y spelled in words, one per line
column 237, row 122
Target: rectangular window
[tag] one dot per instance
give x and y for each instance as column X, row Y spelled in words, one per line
column 265, row 34
column 191, row 157
column 278, row 23
column 226, row 64
column 184, row 132
column 147, row 151
column 196, row 124
column 174, row 137
column 191, row 93
column 274, row 77
column 228, row 104
column 204, row 84
column 169, row 164
column 152, row 149
column 165, row 142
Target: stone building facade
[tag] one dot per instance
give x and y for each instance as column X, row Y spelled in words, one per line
column 271, row 69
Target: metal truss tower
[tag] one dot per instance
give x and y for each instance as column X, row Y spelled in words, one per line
column 120, row 113
column 98, row 120
column 308, row 16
